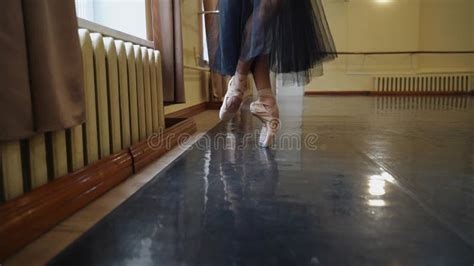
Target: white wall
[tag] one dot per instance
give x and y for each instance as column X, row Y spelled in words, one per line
column 398, row 25
column 445, row 25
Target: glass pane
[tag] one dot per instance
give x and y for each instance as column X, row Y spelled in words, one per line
column 128, row 16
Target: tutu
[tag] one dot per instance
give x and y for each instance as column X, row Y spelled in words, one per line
column 294, row 34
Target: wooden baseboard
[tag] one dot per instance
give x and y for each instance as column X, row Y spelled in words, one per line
column 375, row 93
column 150, row 150
column 195, row 109
column 336, row 93
column 24, row 219
column 189, row 111
column 453, row 93
column 214, row 105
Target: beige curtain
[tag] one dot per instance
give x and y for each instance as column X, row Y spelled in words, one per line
column 167, row 35
column 40, row 68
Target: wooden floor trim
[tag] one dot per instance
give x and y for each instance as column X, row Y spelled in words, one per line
column 194, row 110
column 24, row 219
column 150, row 150
column 375, row 93
column 453, row 93
column 188, row 111
column 214, row 105
column 336, row 93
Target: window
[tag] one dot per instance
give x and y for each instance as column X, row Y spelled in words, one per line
column 205, row 52
column 128, row 16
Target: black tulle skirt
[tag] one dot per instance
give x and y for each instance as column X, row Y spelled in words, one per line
column 293, row 34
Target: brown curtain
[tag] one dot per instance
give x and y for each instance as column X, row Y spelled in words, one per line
column 167, row 35
column 218, row 82
column 40, row 68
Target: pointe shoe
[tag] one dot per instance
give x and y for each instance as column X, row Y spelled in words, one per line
column 226, row 113
column 270, row 117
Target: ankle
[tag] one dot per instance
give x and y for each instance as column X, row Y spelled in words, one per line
column 240, row 80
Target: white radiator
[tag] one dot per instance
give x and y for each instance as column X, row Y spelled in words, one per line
column 400, row 104
column 435, row 84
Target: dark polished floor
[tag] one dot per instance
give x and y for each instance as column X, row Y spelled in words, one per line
column 351, row 181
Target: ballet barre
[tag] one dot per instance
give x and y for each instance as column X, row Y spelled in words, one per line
column 205, row 69
column 212, row 12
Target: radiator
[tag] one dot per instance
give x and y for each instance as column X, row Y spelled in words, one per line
column 124, row 105
column 435, row 84
column 400, row 105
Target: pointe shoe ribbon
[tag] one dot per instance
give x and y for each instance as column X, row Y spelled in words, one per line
column 270, row 117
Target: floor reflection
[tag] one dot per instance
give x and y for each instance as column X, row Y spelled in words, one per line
column 381, row 189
